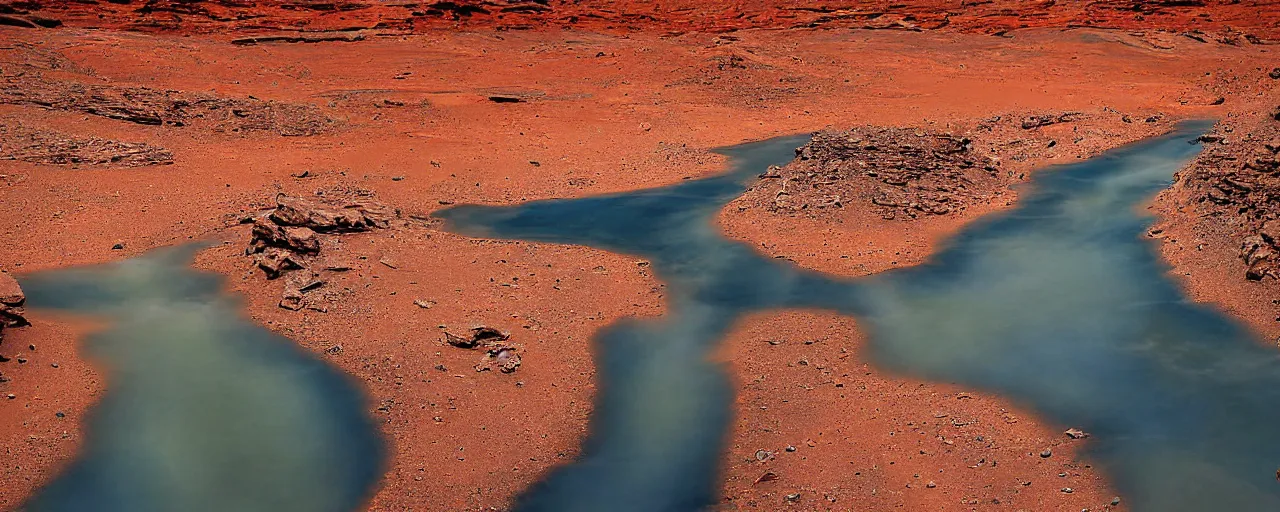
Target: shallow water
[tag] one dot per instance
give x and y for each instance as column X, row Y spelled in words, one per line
column 204, row 411
column 1059, row 304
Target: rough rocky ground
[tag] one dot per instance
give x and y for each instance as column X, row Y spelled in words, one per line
column 1236, row 179
column 1217, row 223
column 910, row 172
column 820, row 429
column 144, row 105
column 414, row 124
column 1228, row 21
column 50, row 147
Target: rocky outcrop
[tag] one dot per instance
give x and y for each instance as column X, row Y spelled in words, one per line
column 288, row 239
column 906, row 173
column 144, row 105
column 11, row 302
column 1226, row 21
column 909, row 173
column 50, row 147
column 1237, row 179
column 901, row 170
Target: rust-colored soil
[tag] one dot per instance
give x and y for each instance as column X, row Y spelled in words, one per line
column 843, row 435
column 404, row 117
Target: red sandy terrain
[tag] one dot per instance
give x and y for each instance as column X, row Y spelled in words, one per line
column 149, row 139
column 842, row 436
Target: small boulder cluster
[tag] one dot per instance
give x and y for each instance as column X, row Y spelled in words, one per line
column 498, row 353
column 287, row 240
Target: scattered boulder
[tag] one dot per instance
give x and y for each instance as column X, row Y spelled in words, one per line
column 297, row 284
column 488, row 334
column 479, row 335
column 11, row 302
column 768, row 476
column 274, row 261
column 459, row 341
column 10, row 293
column 498, row 354
column 1076, row 433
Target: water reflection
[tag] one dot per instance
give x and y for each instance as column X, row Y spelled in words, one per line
column 1058, row 304
column 204, row 412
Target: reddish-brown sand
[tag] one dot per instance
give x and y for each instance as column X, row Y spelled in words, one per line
column 603, row 112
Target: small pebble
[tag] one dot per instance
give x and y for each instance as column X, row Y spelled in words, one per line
column 1068, row 490
column 1115, row 501
column 793, row 496
column 1046, row 453
column 791, row 448
column 930, row 484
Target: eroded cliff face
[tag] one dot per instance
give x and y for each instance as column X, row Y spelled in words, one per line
column 1234, row 21
column 1236, row 182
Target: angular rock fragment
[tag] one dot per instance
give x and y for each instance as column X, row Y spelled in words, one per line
column 10, row 293
column 459, row 341
column 479, row 335
column 506, row 359
column 488, row 334
column 11, row 301
column 297, row 239
column 274, row 261
column 296, row 285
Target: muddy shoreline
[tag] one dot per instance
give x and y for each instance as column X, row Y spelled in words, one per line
column 589, row 124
